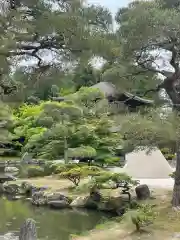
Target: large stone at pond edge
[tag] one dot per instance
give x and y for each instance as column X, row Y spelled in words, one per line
column 12, row 170
column 56, row 196
column 59, row 204
column 84, row 202
column 28, row 230
column 11, row 188
column 114, row 204
column 39, row 199
column 28, row 189
column 42, row 198
column 142, row 192
column 9, row 236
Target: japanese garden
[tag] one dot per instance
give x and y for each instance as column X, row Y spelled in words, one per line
column 89, row 120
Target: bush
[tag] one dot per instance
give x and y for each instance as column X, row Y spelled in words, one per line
column 75, row 172
column 114, row 180
column 65, row 167
column 51, row 168
column 143, row 217
column 169, row 156
column 112, row 161
column 48, row 168
column 35, row 171
column 165, row 150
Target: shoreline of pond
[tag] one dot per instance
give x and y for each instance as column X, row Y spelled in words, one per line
column 65, row 221
column 44, row 196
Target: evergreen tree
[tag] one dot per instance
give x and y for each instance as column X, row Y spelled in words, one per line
column 53, row 36
column 149, row 32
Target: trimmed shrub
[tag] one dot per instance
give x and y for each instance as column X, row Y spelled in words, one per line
column 35, row 171
column 143, row 216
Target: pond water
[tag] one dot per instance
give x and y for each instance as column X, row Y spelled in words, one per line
column 51, row 224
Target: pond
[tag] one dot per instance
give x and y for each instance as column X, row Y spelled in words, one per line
column 51, row 224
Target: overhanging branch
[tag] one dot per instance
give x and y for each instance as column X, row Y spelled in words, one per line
column 155, row 90
column 147, row 64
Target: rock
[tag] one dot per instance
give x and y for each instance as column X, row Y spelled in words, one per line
column 142, row 192
column 59, row 204
column 27, row 188
column 12, row 170
column 9, row 236
column 89, row 202
column 12, row 188
column 84, row 202
column 28, row 230
column 79, row 202
column 114, row 204
column 95, row 195
column 39, row 199
column 176, row 235
column 16, row 197
column 56, row 197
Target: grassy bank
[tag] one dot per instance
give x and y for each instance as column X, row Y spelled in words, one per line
column 165, row 226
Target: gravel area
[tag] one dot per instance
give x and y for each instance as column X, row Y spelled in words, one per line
column 158, row 183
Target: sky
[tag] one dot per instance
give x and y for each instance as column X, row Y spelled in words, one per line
column 113, row 5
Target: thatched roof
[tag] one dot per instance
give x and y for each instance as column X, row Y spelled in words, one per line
column 111, row 92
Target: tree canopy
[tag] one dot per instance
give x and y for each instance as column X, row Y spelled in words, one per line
column 150, row 42
column 53, row 37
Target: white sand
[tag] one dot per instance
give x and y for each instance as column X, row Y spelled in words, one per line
column 158, row 183
column 144, row 165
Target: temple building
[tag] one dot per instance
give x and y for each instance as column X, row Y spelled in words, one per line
column 115, row 97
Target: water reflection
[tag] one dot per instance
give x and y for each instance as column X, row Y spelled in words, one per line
column 52, row 224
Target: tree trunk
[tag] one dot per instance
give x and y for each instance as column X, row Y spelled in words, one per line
column 65, row 151
column 169, row 86
column 137, row 227
column 176, row 190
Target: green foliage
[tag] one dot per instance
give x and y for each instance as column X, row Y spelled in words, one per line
column 50, row 126
column 73, row 33
column 117, row 180
column 50, row 167
column 54, row 91
column 87, row 97
column 165, row 150
column 170, row 156
column 150, row 130
column 112, row 161
column 173, row 175
column 67, row 91
column 142, row 217
column 75, row 174
column 6, row 123
column 26, row 117
column 35, row 171
column 82, row 152
column 84, row 76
